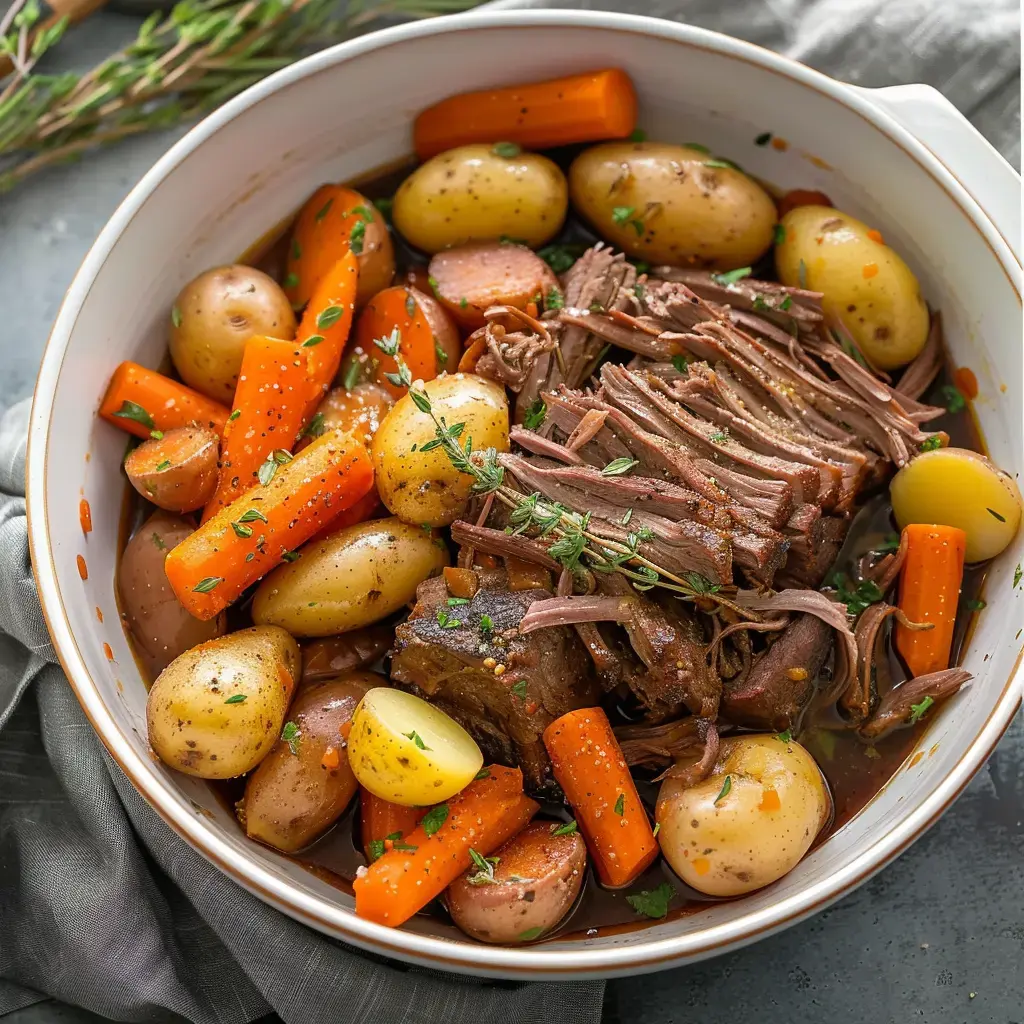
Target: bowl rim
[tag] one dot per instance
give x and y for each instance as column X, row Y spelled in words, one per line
column 470, row 958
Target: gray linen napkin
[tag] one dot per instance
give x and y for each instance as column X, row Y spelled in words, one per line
column 103, row 906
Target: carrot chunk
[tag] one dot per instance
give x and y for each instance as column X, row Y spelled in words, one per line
column 419, row 868
column 593, row 774
column 245, row 540
column 930, row 580
column 141, row 401
column 579, row 108
column 381, row 820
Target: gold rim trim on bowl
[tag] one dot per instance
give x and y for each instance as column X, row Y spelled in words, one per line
column 41, row 548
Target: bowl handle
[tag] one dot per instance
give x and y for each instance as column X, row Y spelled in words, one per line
column 967, row 154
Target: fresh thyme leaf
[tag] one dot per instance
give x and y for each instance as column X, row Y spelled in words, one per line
column 416, row 738
column 720, row 162
column 620, row 805
column 281, row 456
column 652, row 903
column 234, row 415
column 623, row 214
column 357, row 237
column 626, row 517
column 404, row 847
column 410, row 305
column 290, row 734
column 252, row 515
column 445, row 621
column 158, row 541
column 535, row 415
column 440, row 356
column 134, row 411
column 917, row 711
column 1018, row 573
column 724, row 791
column 296, row 250
column 313, row 340
column 267, row 471
column 568, row 829
column 519, row 689
column 323, row 211
column 720, row 436
column 452, row 601
column 434, row 819
column 701, row 584
column 531, row 933
column 315, row 427
column 241, row 531
column 484, row 773
column 617, row 467
column 507, row 150
column 166, row 464
column 760, row 306
column 175, row 316
column 991, row 511
column 732, row 276
column 484, row 874
column 204, row 586
column 236, row 698
column 329, row 317
column 700, row 147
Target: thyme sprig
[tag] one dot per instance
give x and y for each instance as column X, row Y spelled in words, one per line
column 573, row 542
column 181, row 65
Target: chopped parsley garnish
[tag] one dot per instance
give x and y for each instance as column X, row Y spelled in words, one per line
column 445, row 621
column 785, row 737
column 507, row 150
column 617, row 467
column 234, row 415
column 856, row 598
column 236, row 698
column 568, row 829
column 952, row 398
column 375, row 849
column 890, row 543
column 519, row 689
column 622, row 214
column 535, row 415
column 440, row 355
column 486, row 623
column 929, row 444
column 560, row 257
column 323, row 211
column 416, row 738
column 290, row 556
column 175, row 316
column 976, row 604
column 917, row 711
column 725, row 790
column 204, row 586
column 720, row 162
column 158, row 541
column 385, row 205
column 291, row 280
column 653, row 903
column 638, row 135
column 680, row 362
column 290, row 734
column 404, row 847
column 720, row 436
column 166, row 464
column 452, row 601
column 133, row 411
column 357, row 237
column 1018, row 573
column 701, row 584
column 780, row 234
column 732, row 276
column 434, row 819
column 296, row 250
column 620, row 805
column 554, row 300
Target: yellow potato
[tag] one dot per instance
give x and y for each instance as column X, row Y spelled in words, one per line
column 958, row 487
column 479, row 193
column 866, row 284
column 749, row 822
column 665, row 204
column 423, row 487
column 359, row 575
column 217, row 709
column 405, row 750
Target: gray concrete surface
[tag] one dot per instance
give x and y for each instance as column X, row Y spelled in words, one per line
column 938, row 937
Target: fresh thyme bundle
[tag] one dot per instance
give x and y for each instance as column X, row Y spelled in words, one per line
column 180, row 67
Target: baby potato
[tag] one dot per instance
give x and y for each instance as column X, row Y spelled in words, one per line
column 217, row 709
column 178, row 471
column 214, row 316
column 423, row 487
column 672, row 204
column 749, row 822
column 305, row 783
column 409, row 752
column 536, row 881
column 160, row 626
column 359, row 575
column 958, row 487
column 865, row 283
column 479, row 193
column 358, row 411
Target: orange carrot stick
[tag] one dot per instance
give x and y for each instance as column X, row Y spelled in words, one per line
column 337, row 220
column 929, row 590
column 486, row 813
column 592, row 772
column 397, row 309
column 141, row 401
column 246, row 539
column 325, row 326
column 580, row 108
column 270, row 401
column 382, row 820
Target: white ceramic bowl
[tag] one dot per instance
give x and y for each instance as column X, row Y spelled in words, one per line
column 348, row 110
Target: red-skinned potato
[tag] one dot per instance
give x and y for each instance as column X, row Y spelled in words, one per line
column 305, row 783
column 333, row 656
column 161, row 629
column 177, row 472
column 536, row 881
column 468, row 280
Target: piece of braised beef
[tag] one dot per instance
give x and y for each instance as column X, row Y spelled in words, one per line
column 505, row 688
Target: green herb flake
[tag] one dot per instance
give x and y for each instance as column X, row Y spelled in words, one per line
column 484, row 773
column 952, row 398
column 204, row 586
column 404, row 847
column 785, row 304
column 323, row 211
column 763, row 139
column 290, row 734
column 133, row 411
column 785, row 737
column 236, row 698
column 680, row 362
column 434, row 819
column 620, row 466
column 620, row 805
column 720, row 436
column 166, row 464
column 531, row 933
column 375, row 849
column 653, row 903
column 719, row 162
column 445, row 621
column 312, row 341
column 506, row 150
column 432, row 281
column 856, row 597
column 917, row 711
column 175, row 316
column 700, row 147
column 623, row 214
column 315, row 427
column 730, row 277
column 463, row 302
column 252, row 515
column 801, row 275
column 568, row 829
column 267, row 471
column 991, row 511
column 234, row 415
column 384, row 205
column 657, row 829
column 976, row 604
column 484, row 874
column 241, row 530
column 329, row 317
column 486, row 623
column 930, row 444
column 296, row 250
column 291, row 280
column 638, row 135
column 780, row 234
column 416, row 738
column 724, row 791
column 1018, row 573
column 357, row 237
column 535, row 415
column 560, row 257
column 554, row 299
column 158, row 541
column 519, row 689
column 290, row 556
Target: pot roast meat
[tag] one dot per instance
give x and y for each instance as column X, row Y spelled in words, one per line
column 455, row 667
column 781, row 680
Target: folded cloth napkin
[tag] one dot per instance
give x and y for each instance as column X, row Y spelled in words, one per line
column 103, row 906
